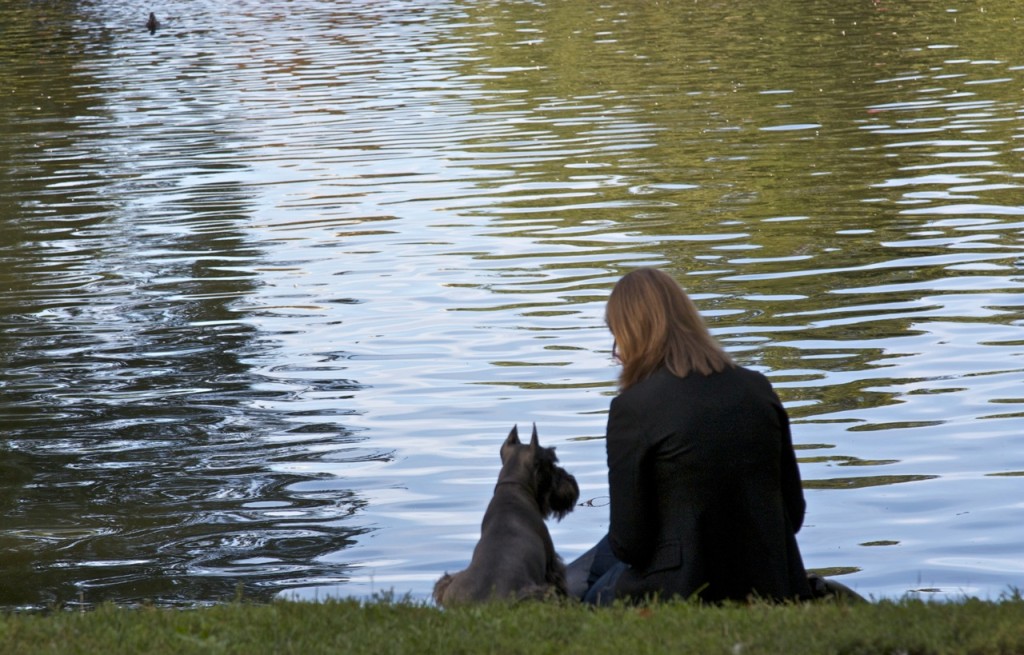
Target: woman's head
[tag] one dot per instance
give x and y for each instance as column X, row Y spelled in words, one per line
column 655, row 324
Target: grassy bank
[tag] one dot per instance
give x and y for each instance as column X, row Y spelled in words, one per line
column 348, row 628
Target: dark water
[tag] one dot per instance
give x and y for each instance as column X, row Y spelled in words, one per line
column 277, row 278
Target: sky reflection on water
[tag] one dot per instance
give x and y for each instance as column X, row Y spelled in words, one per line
column 278, row 284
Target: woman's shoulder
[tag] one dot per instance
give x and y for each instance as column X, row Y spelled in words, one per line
column 750, row 375
column 746, row 377
column 662, row 381
column 757, row 384
column 638, row 395
column 659, row 378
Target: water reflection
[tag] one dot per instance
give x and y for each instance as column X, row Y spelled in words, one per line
column 279, row 282
column 141, row 465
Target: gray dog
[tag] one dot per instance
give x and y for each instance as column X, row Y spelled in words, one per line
column 515, row 558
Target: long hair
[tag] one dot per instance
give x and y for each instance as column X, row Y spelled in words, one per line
column 654, row 324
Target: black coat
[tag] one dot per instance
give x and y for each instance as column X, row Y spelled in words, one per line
column 705, row 490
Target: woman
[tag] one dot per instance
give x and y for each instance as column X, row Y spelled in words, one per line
column 705, row 491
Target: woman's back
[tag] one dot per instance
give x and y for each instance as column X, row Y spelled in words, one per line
column 705, row 490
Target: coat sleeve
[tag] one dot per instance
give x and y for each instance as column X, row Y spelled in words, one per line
column 632, row 524
column 792, row 488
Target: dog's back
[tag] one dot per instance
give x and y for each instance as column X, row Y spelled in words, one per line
column 515, row 558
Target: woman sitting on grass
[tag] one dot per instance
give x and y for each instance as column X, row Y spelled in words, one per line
column 705, row 492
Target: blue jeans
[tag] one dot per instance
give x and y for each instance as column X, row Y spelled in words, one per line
column 593, row 575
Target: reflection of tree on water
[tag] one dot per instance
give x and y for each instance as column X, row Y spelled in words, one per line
column 137, row 463
column 743, row 143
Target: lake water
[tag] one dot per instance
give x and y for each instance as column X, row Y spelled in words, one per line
column 278, row 278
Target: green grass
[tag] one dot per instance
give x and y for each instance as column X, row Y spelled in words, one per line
column 343, row 627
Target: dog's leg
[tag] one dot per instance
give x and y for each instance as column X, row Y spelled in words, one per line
column 538, row 592
column 555, row 575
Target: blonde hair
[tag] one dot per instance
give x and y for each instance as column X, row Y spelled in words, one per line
column 655, row 324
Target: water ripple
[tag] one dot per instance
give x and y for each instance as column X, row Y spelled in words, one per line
column 278, row 281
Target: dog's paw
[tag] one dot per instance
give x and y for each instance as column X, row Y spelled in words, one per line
column 541, row 592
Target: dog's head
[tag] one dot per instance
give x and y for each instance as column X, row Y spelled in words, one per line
column 537, row 467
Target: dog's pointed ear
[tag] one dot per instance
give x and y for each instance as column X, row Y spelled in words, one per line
column 513, row 436
column 534, row 441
